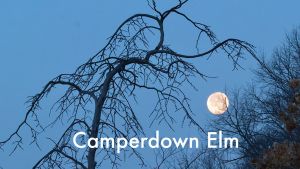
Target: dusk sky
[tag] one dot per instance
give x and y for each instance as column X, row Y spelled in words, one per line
column 41, row 39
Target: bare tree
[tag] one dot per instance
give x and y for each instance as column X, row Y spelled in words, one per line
column 256, row 113
column 99, row 92
column 285, row 154
column 183, row 159
column 264, row 116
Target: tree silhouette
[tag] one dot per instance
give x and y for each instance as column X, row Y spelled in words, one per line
column 265, row 115
column 286, row 154
column 98, row 94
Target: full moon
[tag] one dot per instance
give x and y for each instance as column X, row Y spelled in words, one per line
column 217, row 103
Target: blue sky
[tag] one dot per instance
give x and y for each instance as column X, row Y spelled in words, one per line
column 41, row 39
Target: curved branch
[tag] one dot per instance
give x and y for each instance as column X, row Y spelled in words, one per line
column 241, row 44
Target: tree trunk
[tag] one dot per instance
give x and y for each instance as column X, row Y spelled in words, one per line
column 97, row 116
